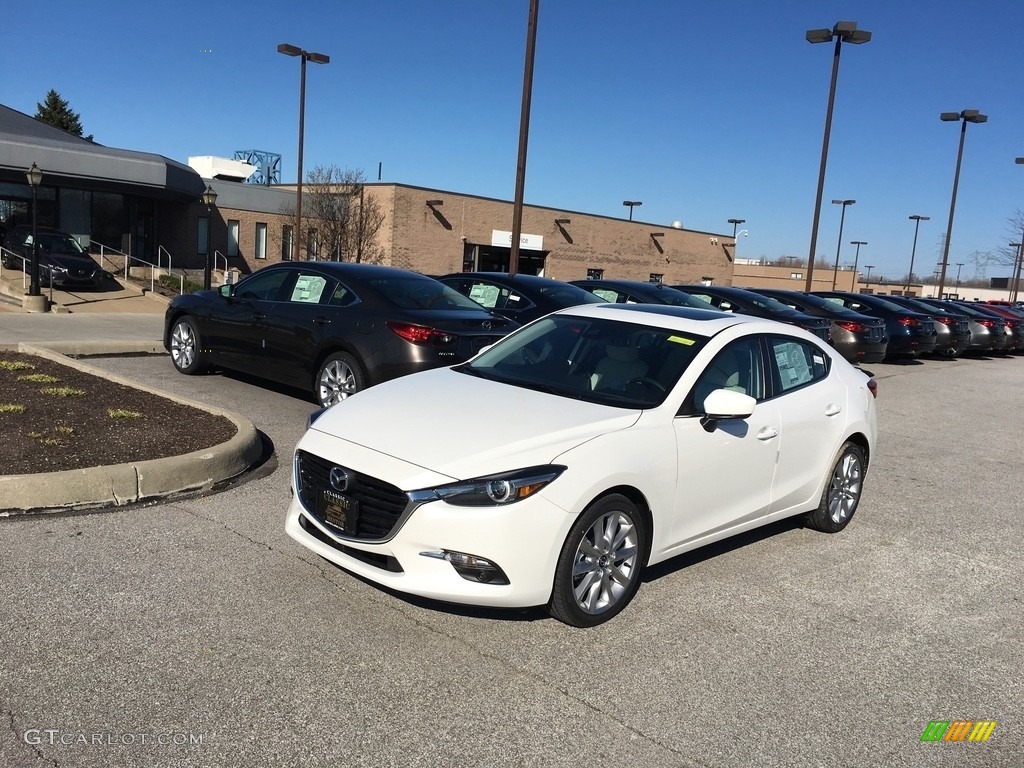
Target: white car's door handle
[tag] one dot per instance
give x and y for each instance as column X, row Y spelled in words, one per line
column 831, row 409
column 767, row 433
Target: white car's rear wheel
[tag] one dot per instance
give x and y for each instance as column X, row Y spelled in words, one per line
column 842, row 492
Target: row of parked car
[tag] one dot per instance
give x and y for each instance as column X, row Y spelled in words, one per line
column 335, row 328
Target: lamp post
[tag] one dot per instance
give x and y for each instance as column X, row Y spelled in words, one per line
column 913, row 250
column 1015, row 283
column 964, row 117
column 35, row 178
column 842, row 216
column 316, row 58
column 631, row 204
column 524, row 136
column 867, row 278
column 956, row 290
column 843, row 31
column 856, row 257
column 209, row 199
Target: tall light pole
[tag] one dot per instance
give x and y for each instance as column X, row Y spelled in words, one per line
column 910, row 275
column 524, row 134
column 843, row 31
column 35, row 178
column 1015, row 283
column 964, row 117
column 959, row 265
column 735, row 223
column 867, row 278
column 1020, row 255
column 631, row 204
column 842, row 217
column 316, row 58
column 856, row 257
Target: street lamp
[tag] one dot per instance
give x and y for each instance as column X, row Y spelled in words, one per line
column 843, row 31
column 1015, row 284
column 316, row 58
column 964, row 117
column 631, row 204
column 959, row 265
column 856, row 257
column 735, row 223
column 842, row 216
column 867, row 278
column 910, row 275
column 209, row 199
column 35, row 178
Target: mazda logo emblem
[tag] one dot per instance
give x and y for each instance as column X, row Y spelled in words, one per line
column 339, row 479
column 486, row 325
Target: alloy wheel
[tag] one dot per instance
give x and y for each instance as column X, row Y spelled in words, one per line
column 605, row 564
column 337, row 381
column 844, row 490
column 183, row 345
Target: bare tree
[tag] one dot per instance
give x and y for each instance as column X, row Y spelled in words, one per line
column 346, row 219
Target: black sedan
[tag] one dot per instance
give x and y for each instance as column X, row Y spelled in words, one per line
column 331, row 328
column 639, row 292
column 858, row 337
column 63, row 263
column 952, row 331
column 911, row 333
column 729, row 299
column 522, row 298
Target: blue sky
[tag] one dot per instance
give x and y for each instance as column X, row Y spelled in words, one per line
column 704, row 111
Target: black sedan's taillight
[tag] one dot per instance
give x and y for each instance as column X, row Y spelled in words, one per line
column 422, row 334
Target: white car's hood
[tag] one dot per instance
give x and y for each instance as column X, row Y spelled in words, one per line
column 463, row 426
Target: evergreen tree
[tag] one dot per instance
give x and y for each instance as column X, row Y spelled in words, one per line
column 57, row 112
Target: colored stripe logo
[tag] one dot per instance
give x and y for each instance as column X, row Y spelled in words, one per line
column 958, row 730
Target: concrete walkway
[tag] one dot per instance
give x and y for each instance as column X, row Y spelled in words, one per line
column 55, row 335
column 128, row 298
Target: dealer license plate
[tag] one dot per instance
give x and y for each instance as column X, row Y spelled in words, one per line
column 339, row 511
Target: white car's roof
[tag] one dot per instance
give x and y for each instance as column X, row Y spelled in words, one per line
column 686, row 319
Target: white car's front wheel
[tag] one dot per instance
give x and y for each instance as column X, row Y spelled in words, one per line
column 598, row 571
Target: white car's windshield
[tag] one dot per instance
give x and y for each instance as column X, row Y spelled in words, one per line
column 594, row 359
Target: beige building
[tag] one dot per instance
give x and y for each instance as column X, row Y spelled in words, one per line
column 756, row 274
column 436, row 232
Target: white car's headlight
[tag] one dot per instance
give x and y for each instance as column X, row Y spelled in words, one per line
column 493, row 490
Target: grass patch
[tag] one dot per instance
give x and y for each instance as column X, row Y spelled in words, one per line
column 62, row 391
column 64, row 429
column 15, row 365
column 121, row 413
column 12, row 408
column 39, row 378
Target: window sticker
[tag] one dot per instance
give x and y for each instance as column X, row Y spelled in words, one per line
column 308, row 288
column 681, row 340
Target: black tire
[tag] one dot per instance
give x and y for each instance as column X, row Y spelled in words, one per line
column 340, row 376
column 843, row 489
column 186, row 349
column 599, row 569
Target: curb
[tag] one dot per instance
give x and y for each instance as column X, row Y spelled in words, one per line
column 120, row 484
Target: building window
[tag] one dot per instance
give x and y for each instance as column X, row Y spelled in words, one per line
column 202, row 235
column 312, row 245
column 286, row 242
column 656, row 277
column 796, row 275
column 594, row 273
column 261, row 241
column 232, row 237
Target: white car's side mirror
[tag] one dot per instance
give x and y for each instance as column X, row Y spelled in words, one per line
column 727, row 404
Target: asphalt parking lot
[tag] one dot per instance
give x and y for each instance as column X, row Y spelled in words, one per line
column 193, row 632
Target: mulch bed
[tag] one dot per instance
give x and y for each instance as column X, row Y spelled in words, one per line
column 55, row 417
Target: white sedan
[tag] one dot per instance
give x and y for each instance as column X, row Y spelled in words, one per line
column 558, row 463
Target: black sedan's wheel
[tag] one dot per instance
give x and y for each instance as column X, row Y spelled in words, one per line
column 599, row 569
column 842, row 493
column 185, row 351
column 340, row 376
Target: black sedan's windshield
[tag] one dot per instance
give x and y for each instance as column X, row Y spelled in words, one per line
column 594, row 359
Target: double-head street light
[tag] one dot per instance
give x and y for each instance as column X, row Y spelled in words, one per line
column 913, row 250
column 959, row 266
column 735, row 223
column 631, row 204
column 35, row 178
column 1015, row 283
column 209, row 198
column 842, row 32
column 316, row 58
column 842, row 216
column 964, row 117
column 867, row 277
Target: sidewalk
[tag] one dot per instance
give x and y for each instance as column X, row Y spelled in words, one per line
column 125, row 299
